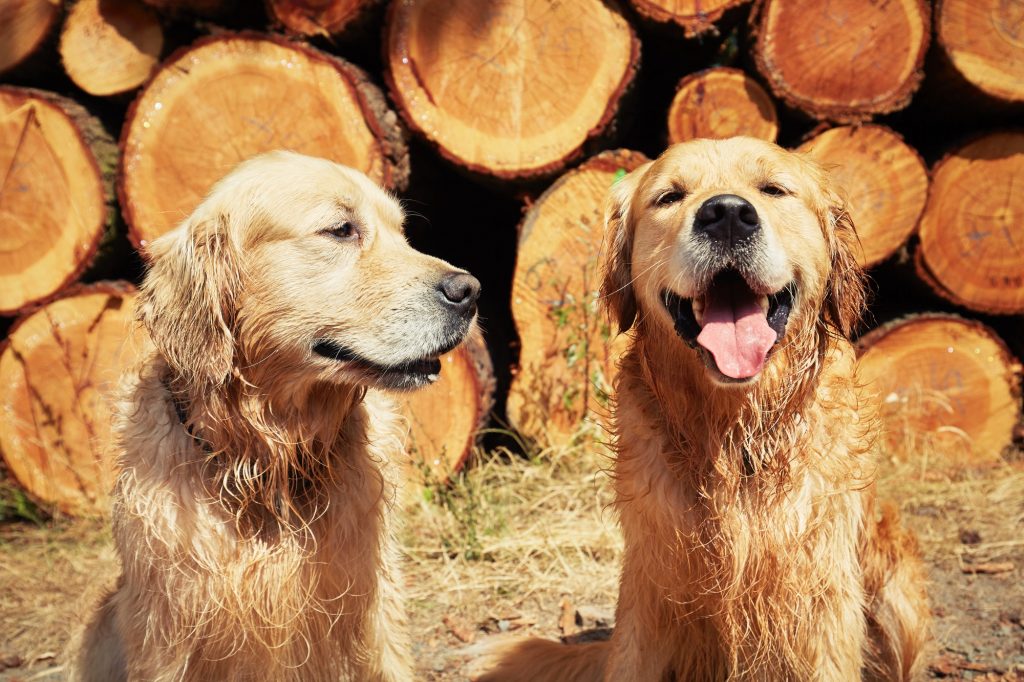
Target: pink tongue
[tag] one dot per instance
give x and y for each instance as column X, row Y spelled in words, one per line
column 736, row 331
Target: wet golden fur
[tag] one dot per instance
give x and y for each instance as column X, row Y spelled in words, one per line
column 753, row 547
column 263, row 548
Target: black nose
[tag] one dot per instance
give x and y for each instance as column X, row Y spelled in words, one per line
column 459, row 291
column 727, row 218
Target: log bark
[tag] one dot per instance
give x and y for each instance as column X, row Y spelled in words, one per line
column 719, row 103
column 885, row 181
column 232, row 96
column 567, row 349
column 504, row 94
column 58, row 369
column 110, row 46
column 446, row 417
column 950, row 390
column 971, row 248
column 25, row 26
column 984, row 40
column 55, row 200
column 844, row 62
column 694, row 16
column 317, row 17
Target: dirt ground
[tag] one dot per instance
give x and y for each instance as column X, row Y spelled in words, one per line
column 531, row 546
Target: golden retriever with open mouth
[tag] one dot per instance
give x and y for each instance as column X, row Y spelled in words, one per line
column 259, row 462
column 744, row 470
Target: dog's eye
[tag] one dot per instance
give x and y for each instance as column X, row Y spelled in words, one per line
column 773, row 190
column 345, row 231
column 669, row 198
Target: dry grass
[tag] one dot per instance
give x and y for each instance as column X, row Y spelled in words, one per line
column 513, row 531
column 933, row 471
column 508, row 539
column 511, row 538
column 50, row 577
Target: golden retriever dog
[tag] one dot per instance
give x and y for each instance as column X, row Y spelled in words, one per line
column 253, row 512
column 744, row 468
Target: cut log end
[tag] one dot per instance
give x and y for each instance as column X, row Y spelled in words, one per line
column 24, row 28
column 233, row 89
column 58, row 371
column 984, row 39
column 445, row 418
column 567, row 347
column 949, row 389
column 316, row 17
column 110, row 46
column 845, row 64
column 885, row 182
column 972, row 231
column 695, row 17
column 52, row 220
column 720, row 103
column 504, row 96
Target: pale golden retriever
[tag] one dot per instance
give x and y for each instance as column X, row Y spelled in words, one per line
column 253, row 511
column 745, row 455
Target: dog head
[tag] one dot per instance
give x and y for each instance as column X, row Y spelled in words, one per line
column 297, row 267
column 737, row 247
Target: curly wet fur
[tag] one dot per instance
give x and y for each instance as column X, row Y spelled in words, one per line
column 256, row 538
column 753, row 550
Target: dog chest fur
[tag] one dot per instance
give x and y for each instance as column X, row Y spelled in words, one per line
column 236, row 604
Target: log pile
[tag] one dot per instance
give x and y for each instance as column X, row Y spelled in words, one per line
column 972, row 231
column 25, row 27
column 488, row 114
column 55, row 204
column 504, row 93
column 110, row 46
column 235, row 87
column 58, row 368
column 718, row 103
column 984, row 39
column 845, row 61
column 567, row 350
column 885, row 180
column 949, row 384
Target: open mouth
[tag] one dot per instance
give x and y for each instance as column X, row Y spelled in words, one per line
column 409, row 374
column 732, row 326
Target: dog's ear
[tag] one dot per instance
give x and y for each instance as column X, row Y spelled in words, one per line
column 187, row 298
column 617, row 285
column 846, row 288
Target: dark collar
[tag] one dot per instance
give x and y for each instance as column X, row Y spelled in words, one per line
column 181, row 409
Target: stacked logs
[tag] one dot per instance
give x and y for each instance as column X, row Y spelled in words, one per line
column 542, row 105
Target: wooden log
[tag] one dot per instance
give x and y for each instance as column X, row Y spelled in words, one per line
column 971, row 248
column 719, row 103
column 58, row 369
column 54, row 200
column 446, row 417
column 950, row 390
column 317, row 17
column 694, row 16
column 567, row 348
column 509, row 89
column 110, row 46
column 232, row 96
column 25, row 26
column 845, row 61
column 885, row 180
column 984, row 40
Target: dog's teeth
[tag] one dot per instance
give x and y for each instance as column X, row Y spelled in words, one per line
column 764, row 304
column 698, row 312
column 432, row 377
